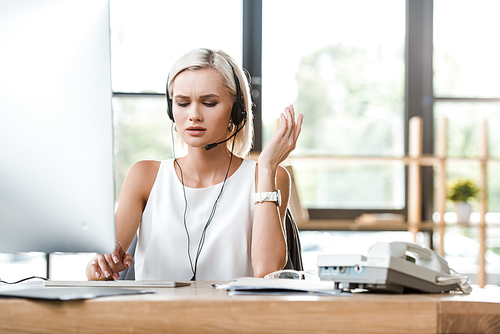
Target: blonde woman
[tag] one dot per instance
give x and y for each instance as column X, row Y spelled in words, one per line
column 210, row 214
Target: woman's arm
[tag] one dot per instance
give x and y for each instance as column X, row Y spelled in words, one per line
column 133, row 199
column 268, row 235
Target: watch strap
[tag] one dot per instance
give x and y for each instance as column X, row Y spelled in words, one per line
column 273, row 196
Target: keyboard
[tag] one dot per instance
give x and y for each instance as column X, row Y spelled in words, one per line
column 116, row 284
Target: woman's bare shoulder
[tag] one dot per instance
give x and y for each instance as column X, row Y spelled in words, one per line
column 146, row 167
column 142, row 176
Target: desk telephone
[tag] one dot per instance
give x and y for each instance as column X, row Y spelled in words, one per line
column 392, row 267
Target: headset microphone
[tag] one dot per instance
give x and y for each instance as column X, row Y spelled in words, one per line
column 211, row 146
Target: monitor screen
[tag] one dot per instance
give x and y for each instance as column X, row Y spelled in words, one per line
column 56, row 129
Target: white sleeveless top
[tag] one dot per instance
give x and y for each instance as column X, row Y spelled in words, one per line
column 161, row 252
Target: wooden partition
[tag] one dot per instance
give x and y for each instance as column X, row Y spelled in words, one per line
column 441, row 160
column 415, row 160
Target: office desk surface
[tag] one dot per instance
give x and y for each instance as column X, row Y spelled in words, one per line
column 199, row 308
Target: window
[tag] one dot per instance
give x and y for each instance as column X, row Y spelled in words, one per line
column 342, row 63
column 147, row 37
column 467, row 91
column 466, row 49
column 467, row 84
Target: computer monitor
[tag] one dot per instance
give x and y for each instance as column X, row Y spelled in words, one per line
column 56, row 137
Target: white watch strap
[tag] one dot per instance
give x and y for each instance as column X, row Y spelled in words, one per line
column 274, row 196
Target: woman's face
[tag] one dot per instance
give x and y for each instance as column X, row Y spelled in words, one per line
column 201, row 106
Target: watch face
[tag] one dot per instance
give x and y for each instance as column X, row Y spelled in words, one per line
column 278, row 197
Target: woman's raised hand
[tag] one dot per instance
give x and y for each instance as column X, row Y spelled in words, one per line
column 109, row 266
column 284, row 141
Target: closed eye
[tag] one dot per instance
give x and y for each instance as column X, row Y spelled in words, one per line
column 182, row 100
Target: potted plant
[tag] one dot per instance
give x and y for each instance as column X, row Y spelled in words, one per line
column 460, row 192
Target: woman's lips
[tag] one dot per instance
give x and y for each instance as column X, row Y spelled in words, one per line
column 195, row 130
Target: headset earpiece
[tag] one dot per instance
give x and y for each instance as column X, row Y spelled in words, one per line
column 170, row 110
column 238, row 113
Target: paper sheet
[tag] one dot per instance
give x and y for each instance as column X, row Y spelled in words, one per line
column 252, row 286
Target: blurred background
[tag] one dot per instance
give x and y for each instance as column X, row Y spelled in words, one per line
column 358, row 70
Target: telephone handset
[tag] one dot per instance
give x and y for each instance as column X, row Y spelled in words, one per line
column 392, row 267
column 421, row 255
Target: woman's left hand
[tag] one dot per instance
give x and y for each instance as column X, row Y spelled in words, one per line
column 284, row 141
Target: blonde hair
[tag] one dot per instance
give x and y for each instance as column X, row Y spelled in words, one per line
column 223, row 64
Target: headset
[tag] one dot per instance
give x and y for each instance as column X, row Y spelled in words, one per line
column 238, row 112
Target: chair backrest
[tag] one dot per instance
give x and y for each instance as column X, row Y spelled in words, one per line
column 294, row 249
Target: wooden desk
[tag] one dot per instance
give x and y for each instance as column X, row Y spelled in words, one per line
column 202, row 309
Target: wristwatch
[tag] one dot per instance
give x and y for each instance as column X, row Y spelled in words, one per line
column 274, row 196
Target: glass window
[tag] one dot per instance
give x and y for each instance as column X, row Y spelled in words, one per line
column 466, row 48
column 464, row 120
column 493, row 204
column 466, row 53
column 342, row 184
column 467, row 90
column 142, row 131
column 342, row 64
column 148, row 36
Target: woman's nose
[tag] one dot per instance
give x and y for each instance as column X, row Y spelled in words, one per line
column 195, row 113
